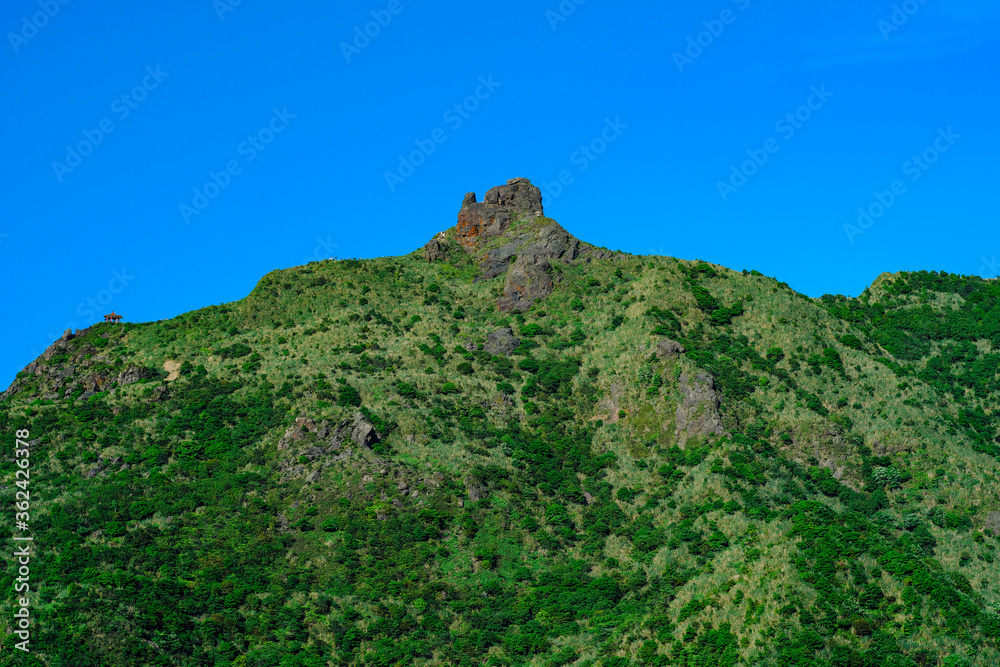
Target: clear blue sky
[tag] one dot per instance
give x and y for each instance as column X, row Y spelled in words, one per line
column 188, row 88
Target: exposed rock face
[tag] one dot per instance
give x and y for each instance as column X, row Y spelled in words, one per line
column 437, row 248
column 993, row 523
column 698, row 411
column 508, row 233
column 477, row 490
column 133, row 374
column 502, row 342
column 358, row 430
column 500, row 207
column 668, row 349
column 530, row 276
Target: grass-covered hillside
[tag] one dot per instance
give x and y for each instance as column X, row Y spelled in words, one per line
column 662, row 462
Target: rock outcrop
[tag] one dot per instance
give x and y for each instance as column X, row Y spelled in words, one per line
column 476, row 489
column 480, row 221
column 530, row 276
column 508, row 233
column 698, row 411
column 358, row 430
column 437, row 248
column 668, row 349
column 502, row 342
column 993, row 523
column 133, row 374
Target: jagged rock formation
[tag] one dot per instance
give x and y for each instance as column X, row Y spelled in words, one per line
column 359, row 430
column 502, row 205
column 508, row 233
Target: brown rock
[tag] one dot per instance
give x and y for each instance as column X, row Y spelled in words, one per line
column 501, row 206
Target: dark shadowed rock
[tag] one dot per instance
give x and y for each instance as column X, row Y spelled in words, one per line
column 502, row 342
column 530, row 276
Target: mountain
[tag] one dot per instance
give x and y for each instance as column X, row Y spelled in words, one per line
column 511, row 447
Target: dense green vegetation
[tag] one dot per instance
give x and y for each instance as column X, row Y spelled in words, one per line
column 581, row 501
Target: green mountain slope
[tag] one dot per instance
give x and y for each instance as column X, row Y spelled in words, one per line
column 514, row 448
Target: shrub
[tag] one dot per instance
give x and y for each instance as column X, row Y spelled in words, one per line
column 348, row 396
column 235, row 351
column 406, row 390
column 529, row 364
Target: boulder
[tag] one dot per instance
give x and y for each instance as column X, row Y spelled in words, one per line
column 94, row 381
column 363, row 432
column 502, row 342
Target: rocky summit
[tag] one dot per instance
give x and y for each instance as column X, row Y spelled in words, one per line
column 508, row 234
column 509, row 448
